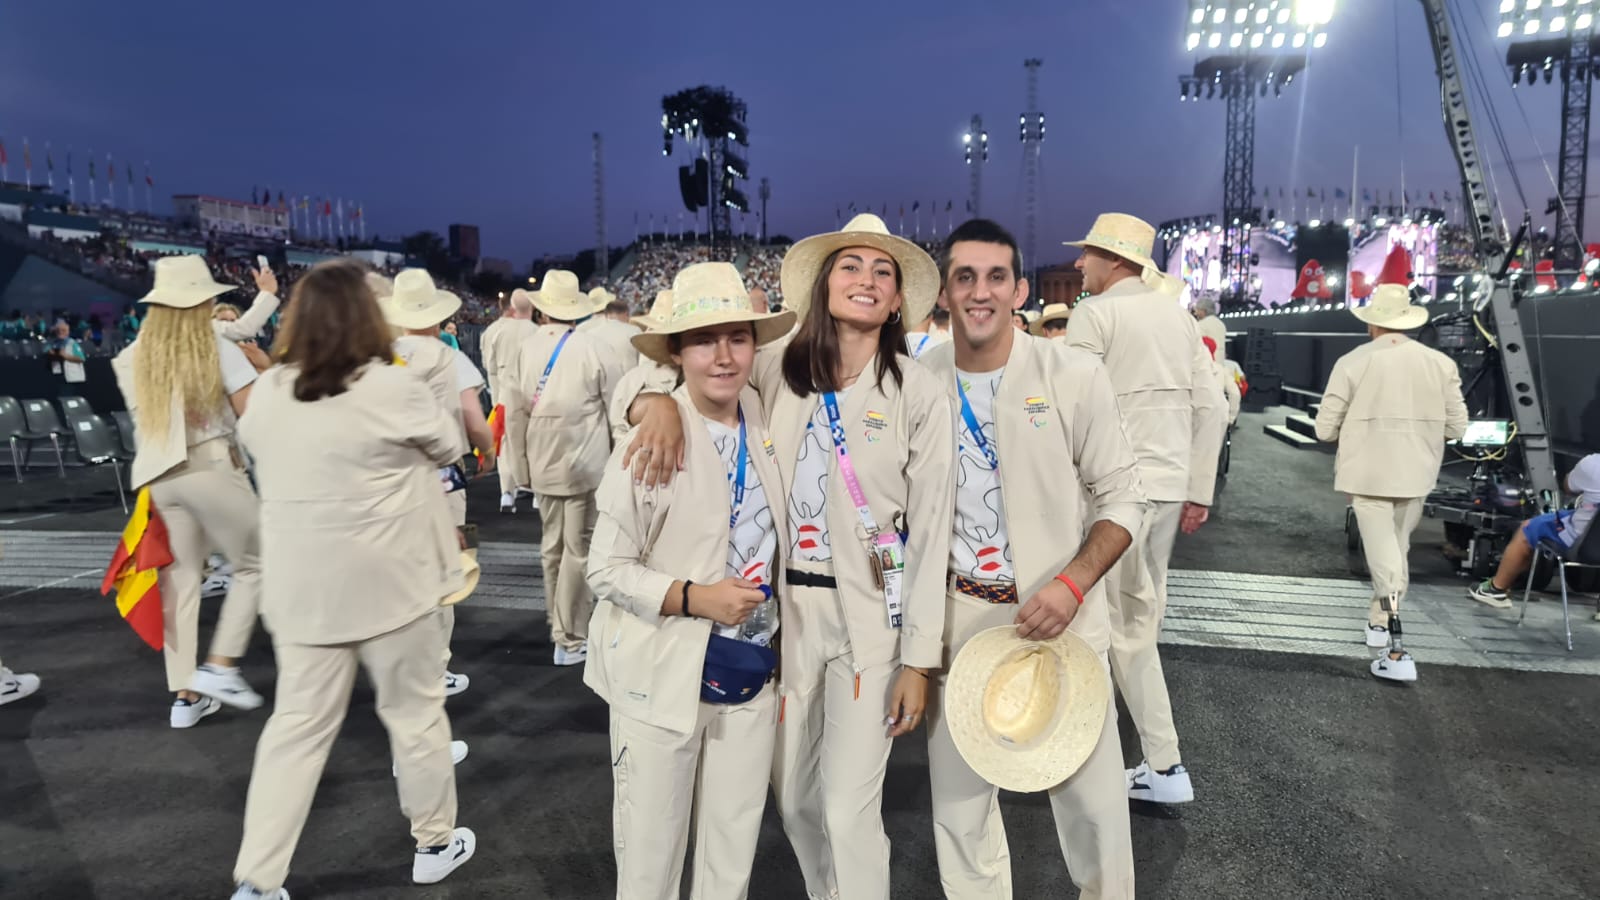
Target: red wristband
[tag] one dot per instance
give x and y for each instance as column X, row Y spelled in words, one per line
column 1076, row 591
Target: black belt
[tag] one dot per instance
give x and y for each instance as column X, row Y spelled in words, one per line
column 811, row 580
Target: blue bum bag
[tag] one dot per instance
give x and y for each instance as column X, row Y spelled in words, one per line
column 735, row 670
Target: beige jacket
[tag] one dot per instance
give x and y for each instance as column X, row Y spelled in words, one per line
column 648, row 377
column 1171, row 406
column 1214, row 328
column 645, row 666
column 356, row 538
column 616, row 336
column 567, row 438
column 1065, row 463
column 153, row 459
column 908, row 477
column 498, row 346
column 1391, row 404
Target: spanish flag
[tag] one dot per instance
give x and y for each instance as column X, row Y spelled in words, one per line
column 134, row 570
column 497, row 425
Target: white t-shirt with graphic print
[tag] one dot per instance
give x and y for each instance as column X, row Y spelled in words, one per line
column 808, row 498
column 753, row 541
column 979, row 548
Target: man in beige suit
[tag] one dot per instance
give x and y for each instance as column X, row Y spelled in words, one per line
column 557, row 387
column 1048, row 446
column 1172, row 409
column 1391, row 404
column 615, row 335
column 500, row 342
column 648, row 376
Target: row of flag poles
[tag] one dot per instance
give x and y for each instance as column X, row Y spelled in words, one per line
column 1344, row 201
column 110, row 182
column 323, row 217
column 688, row 225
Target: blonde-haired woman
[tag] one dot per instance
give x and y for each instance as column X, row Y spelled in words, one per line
column 185, row 387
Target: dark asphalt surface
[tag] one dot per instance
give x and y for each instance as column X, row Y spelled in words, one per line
column 1314, row 781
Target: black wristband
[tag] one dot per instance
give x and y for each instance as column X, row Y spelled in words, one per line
column 686, row 585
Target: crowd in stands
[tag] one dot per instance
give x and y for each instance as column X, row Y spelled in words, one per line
column 761, row 271
column 653, row 270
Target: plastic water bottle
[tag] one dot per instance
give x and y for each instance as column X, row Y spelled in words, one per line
column 757, row 629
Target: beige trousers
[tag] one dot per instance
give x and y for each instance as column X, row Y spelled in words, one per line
column 1136, row 589
column 457, row 503
column 207, row 503
column 969, row 836
column 568, row 524
column 832, row 752
column 314, row 684
column 1386, row 524
column 716, row 775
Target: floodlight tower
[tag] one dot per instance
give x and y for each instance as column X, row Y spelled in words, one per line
column 712, row 121
column 1557, row 38
column 602, row 252
column 765, row 194
column 1252, row 47
column 976, row 143
column 1032, row 133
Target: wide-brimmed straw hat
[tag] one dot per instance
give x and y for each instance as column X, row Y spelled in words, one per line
column 1129, row 237
column 704, row 295
column 183, row 282
column 560, row 298
column 1391, row 308
column 417, row 302
column 1025, row 715
column 919, row 275
column 658, row 313
column 602, row 298
column 470, row 573
column 1054, row 312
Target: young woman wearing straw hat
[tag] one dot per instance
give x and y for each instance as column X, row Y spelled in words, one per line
column 865, row 441
column 185, row 386
column 679, row 638
column 347, row 449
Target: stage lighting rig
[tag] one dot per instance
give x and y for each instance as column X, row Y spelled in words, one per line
column 711, row 121
column 1250, row 47
column 1558, row 39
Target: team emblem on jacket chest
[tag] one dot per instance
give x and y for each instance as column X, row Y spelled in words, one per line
column 1037, row 409
column 875, row 425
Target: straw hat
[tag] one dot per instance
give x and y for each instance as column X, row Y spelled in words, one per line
column 658, row 313
column 381, row 286
column 470, row 573
column 1024, row 714
column 919, row 276
column 703, row 295
column 1054, row 312
column 1129, row 237
column 602, row 298
column 560, row 298
column 1391, row 308
column 416, row 302
column 1171, row 285
column 183, row 282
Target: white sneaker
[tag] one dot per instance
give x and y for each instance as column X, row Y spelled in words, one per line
column 458, row 752
column 455, row 684
column 1171, row 786
column 432, row 864
column 565, row 657
column 1402, row 669
column 14, row 687
column 250, row 892
column 1377, row 637
column 508, row 503
column 216, row 585
column 188, row 713
column 226, row 685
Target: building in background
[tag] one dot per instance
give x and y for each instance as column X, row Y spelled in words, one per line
column 464, row 242
column 493, row 266
column 1059, row 284
column 215, row 215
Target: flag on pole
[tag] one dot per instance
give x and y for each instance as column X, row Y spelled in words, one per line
column 71, row 188
column 2, row 152
column 134, row 572
column 49, row 166
column 497, row 429
column 27, row 163
column 1338, row 193
column 148, row 181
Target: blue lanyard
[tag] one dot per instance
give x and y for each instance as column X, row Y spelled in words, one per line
column 738, row 480
column 545, row 378
column 976, row 430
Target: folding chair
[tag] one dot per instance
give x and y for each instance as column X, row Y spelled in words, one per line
column 75, row 408
column 21, row 435
column 94, row 445
column 124, row 423
column 42, row 419
column 1585, row 554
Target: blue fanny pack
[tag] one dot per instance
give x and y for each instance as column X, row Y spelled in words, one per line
column 735, row 670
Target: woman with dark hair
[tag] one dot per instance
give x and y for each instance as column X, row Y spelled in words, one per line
column 865, row 442
column 359, row 551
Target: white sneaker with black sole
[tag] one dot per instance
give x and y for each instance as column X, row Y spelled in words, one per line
column 1377, row 637
column 14, row 687
column 431, row 865
column 458, row 752
column 1486, row 593
column 455, row 684
column 1151, row 786
column 565, row 657
column 1402, row 669
column 225, row 685
column 508, row 503
column 251, row 892
column 188, row 713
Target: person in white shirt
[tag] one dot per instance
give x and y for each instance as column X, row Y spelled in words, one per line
column 66, row 359
column 1565, row 527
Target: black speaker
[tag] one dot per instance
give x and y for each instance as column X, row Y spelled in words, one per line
column 686, row 188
